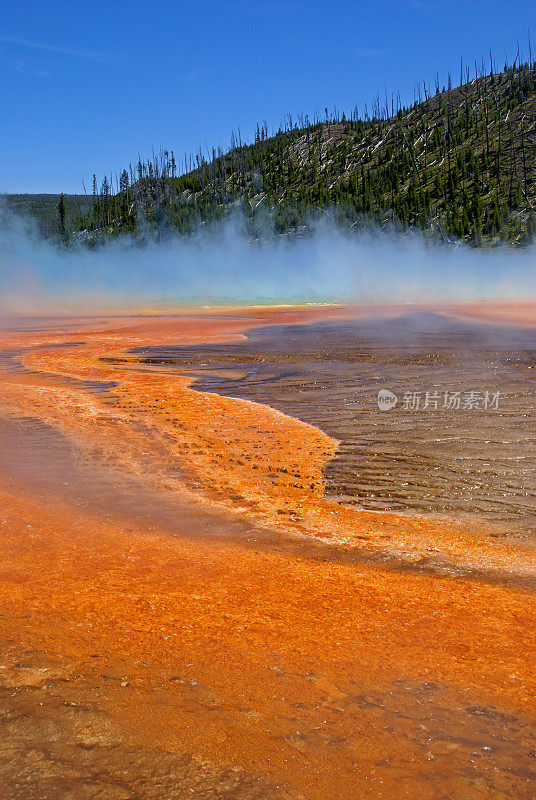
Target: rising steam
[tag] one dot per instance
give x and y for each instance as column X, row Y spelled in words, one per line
column 224, row 266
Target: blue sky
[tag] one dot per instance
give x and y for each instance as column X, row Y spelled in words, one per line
column 87, row 86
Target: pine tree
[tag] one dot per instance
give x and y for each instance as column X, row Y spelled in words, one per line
column 62, row 214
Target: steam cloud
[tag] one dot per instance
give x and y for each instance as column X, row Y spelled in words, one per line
column 223, row 267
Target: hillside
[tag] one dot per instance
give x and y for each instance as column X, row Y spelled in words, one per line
column 44, row 209
column 458, row 164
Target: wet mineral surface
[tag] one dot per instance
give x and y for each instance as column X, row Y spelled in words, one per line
column 460, row 441
column 186, row 608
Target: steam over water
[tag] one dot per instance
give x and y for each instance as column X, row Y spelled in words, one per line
column 221, row 264
column 429, row 460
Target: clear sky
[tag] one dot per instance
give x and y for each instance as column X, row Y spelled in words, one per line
column 87, row 86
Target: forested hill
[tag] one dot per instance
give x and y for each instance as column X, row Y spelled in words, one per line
column 459, row 163
column 44, row 208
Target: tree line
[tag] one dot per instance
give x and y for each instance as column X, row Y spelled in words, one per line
column 458, row 163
